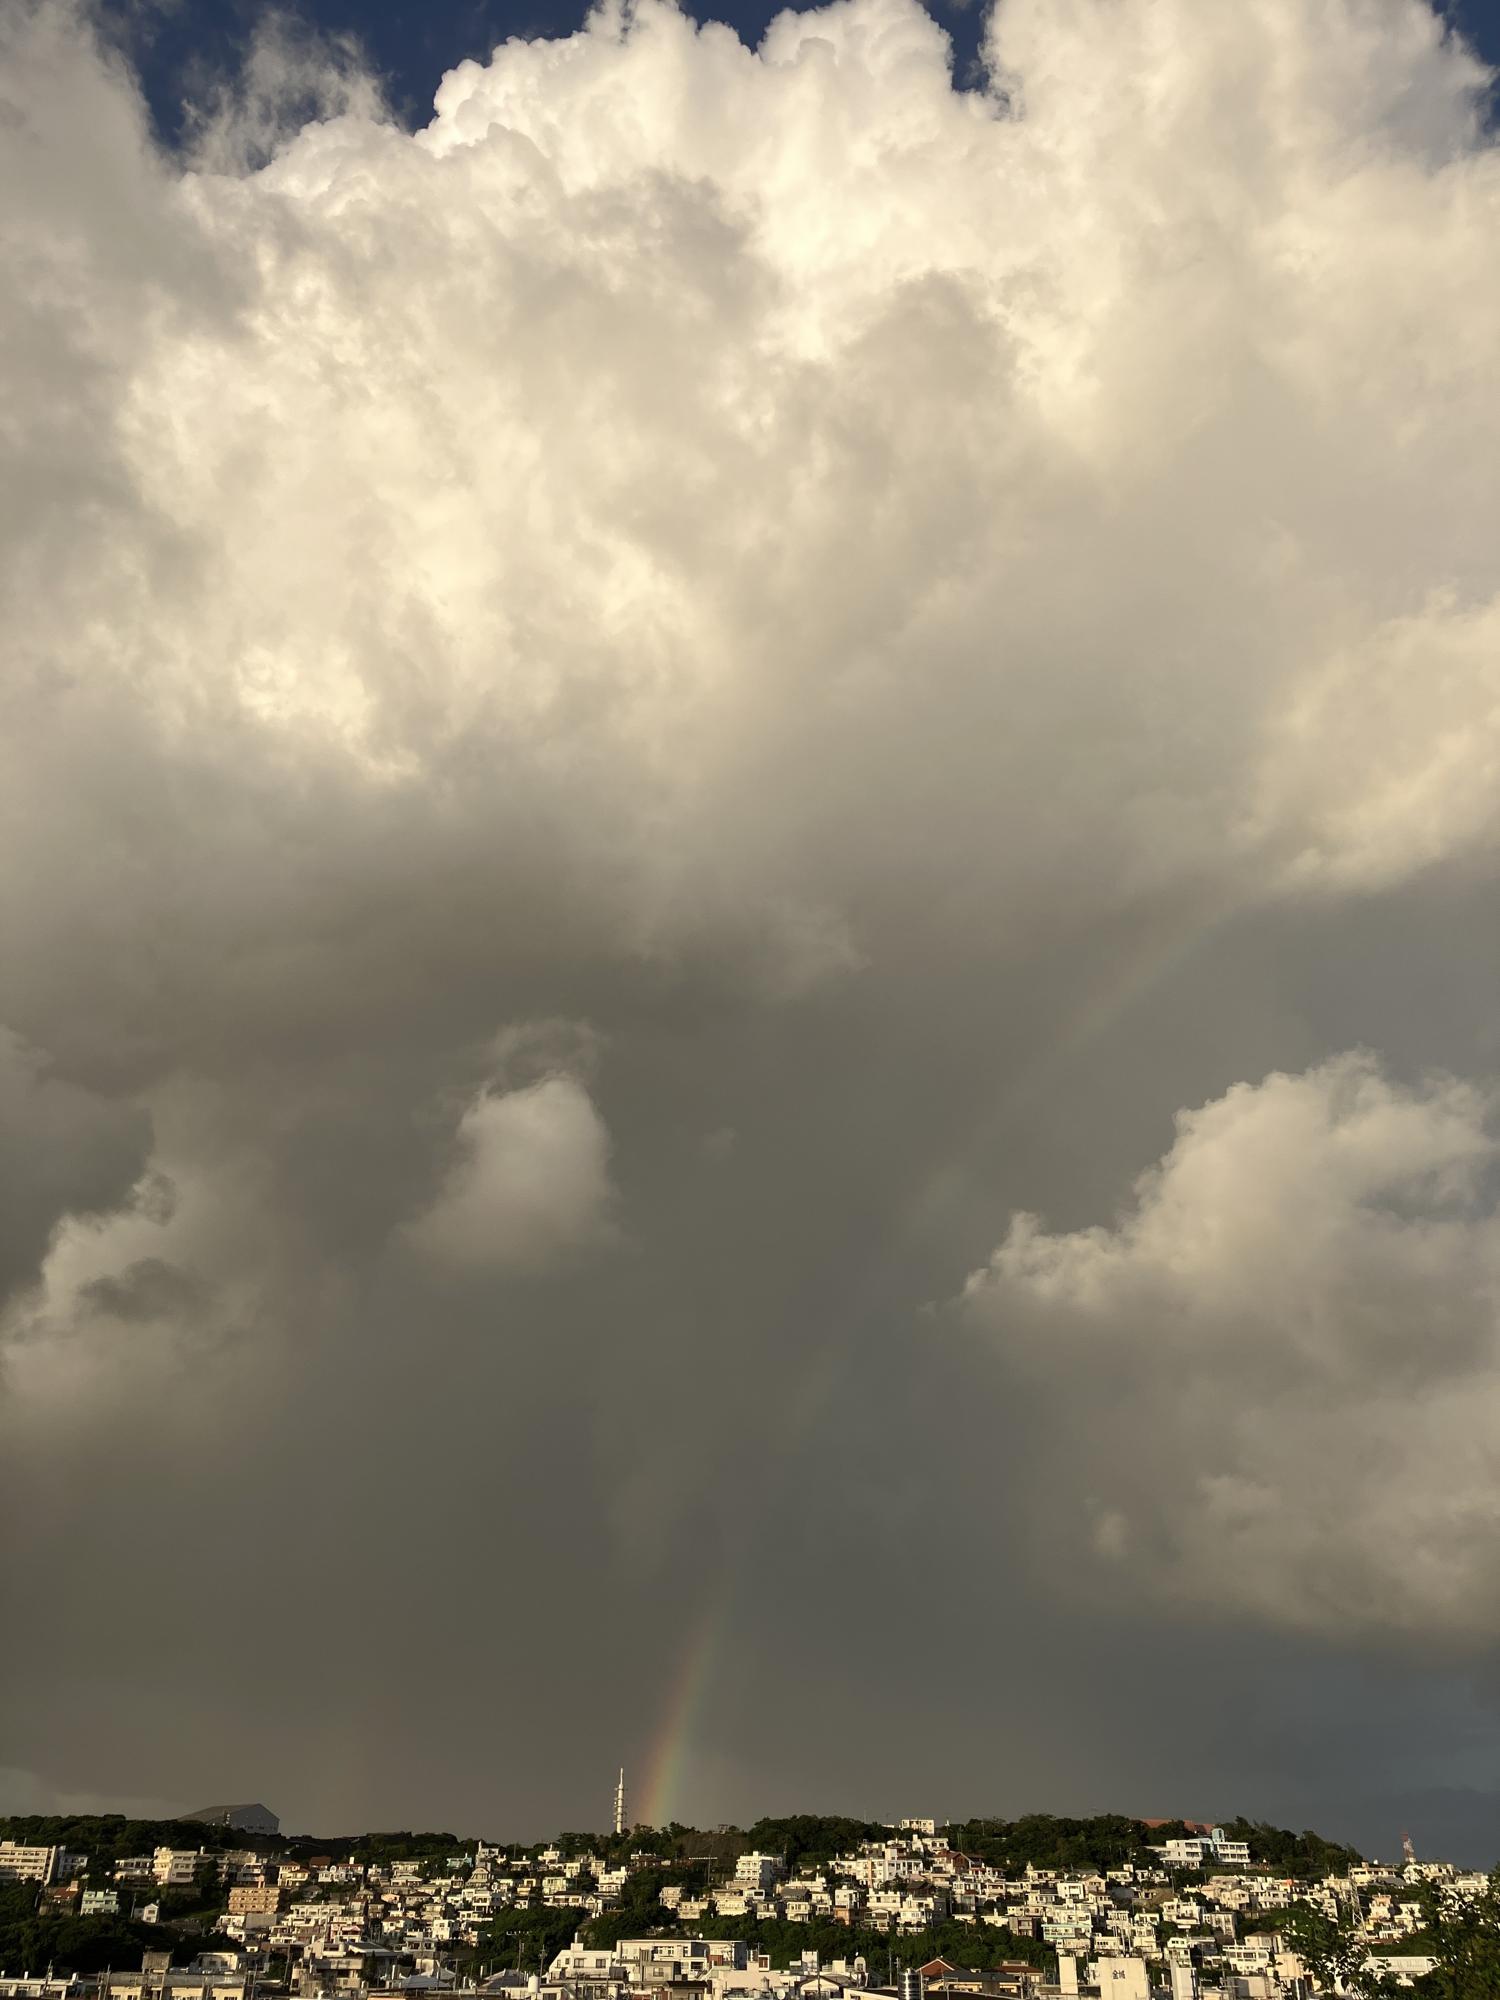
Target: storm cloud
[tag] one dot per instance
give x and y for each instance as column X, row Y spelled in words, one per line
column 638, row 724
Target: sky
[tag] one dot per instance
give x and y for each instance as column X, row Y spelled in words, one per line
column 176, row 46
column 750, row 899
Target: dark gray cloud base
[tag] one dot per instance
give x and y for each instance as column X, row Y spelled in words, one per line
column 749, row 897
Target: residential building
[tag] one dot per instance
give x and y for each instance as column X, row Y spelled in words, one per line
column 1121, row 1978
column 176, row 1867
column 258, row 1898
column 758, row 1872
column 27, row 1864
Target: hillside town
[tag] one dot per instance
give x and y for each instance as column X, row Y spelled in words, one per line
column 1197, row 1915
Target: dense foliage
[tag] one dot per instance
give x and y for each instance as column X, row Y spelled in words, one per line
column 1330, row 1949
column 809, row 1840
column 32, row 1938
column 1040, row 1840
column 381, row 1849
column 527, row 1939
column 1465, row 1940
column 1302, row 1856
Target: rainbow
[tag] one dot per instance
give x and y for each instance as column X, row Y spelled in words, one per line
column 669, row 1757
column 1133, row 975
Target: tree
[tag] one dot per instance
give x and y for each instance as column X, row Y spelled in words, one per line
column 639, row 1911
column 1306, row 1855
column 1331, row 1949
column 1465, row 1940
column 1108, row 1840
column 528, row 1935
column 806, row 1840
column 384, row 1848
column 31, row 1938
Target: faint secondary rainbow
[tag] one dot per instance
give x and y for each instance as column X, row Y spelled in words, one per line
column 1134, row 974
column 1131, row 977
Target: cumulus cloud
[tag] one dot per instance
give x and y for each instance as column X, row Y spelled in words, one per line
column 1017, row 480
column 531, row 1180
column 1274, row 1382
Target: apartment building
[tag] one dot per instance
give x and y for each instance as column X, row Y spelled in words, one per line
column 159, row 1983
column 256, row 1898
column 758, row 1873
column 176, row 1867
column 28, row 1864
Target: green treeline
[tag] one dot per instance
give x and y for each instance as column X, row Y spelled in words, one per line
column 807, row 1841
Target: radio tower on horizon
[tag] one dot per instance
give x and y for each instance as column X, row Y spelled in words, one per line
column 620, row 1802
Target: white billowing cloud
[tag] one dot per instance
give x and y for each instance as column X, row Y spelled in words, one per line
column 1273, row 1385
column 531, row 1181
column 701, row 515
column 1387, row 757
column 719, row 511
column 710, row 493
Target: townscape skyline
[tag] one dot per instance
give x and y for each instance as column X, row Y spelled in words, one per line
column 621, row 1822
column 804, row 1907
